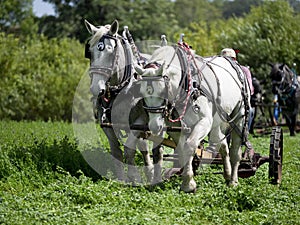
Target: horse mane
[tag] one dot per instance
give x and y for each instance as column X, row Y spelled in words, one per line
column 100, row 32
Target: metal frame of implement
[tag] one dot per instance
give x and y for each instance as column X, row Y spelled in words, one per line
column 249, row 164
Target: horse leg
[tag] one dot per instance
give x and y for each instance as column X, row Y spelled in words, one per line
column 129, row 153
column 116, row 152
column 224, row 151
column 199, row 132
column 216, row 136
column 158, row 161
column 148, row 165
column 293, row 124
column 290, row 122
column 235, row 157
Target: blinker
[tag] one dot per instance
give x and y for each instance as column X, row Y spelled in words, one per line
column 101, row 45
column 87, row 53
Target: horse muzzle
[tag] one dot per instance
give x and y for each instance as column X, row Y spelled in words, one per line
column 98, row 89
column 156, row 125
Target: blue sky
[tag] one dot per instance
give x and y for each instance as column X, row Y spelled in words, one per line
column 41, row 8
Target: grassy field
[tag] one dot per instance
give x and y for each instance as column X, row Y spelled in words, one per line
column 45, row 180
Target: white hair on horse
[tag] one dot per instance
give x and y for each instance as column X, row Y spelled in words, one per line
column 206, row 97
column 101, row 30
column 111, row 73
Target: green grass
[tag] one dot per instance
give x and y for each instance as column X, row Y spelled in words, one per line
column 45, row 180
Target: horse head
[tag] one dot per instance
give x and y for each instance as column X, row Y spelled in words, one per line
column 107, row 57
column 153, row 90
column 281, row 77
column 157, row 89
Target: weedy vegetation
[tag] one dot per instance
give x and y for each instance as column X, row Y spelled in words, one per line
column 44, row 179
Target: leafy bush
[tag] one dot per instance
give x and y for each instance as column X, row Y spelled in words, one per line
column 39, row 77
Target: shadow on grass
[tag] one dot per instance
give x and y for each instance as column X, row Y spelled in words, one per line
column 63, row 154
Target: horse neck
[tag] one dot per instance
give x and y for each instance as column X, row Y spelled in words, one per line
column 175, row 73
column 288, row 75
column 167, row 57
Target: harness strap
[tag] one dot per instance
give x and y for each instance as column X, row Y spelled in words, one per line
column 185, row 82
column 245, row 96
column 128, row 61
column 127, row 76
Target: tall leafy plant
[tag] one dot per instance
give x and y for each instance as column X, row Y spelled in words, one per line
column 39, row 77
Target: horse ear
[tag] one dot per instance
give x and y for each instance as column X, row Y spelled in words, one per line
column 163, row 68
column 159, row 71
column 90, row 27
column 114, row 28
column 139, row 69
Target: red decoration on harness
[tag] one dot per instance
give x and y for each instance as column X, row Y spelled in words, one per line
column 184, row 45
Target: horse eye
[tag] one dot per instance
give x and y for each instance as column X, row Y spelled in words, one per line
column 100, row 46
column 109, row 47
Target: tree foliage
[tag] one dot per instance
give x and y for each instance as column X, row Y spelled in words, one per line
column 269, row 33
column 189, row 11
column 146, row 18
column 16, row 16
column 39, row 77
column 239, row 8
column 39, row 73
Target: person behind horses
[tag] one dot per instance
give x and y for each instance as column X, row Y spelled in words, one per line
column 255, row 98
column 229, row 52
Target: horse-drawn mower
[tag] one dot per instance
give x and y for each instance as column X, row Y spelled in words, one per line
column 249, row 164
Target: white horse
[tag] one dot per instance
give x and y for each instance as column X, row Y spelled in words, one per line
column 111, row 61
column 206, row 97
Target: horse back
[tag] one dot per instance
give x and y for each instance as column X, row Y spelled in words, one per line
column 227, row 81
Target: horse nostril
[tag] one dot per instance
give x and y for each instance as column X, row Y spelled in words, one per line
column 160, row 128
column 101, row 92
column 156, row 129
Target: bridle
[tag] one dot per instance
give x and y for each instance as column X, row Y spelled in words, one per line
column 163, row 108
column 104, row 100
column 167, row 107
column 108, row 72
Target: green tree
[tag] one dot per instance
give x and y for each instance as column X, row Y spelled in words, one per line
column 69, row 18
column 193, row 11
column 269, row 33
column 238, row 8
column 17, row 17
column 39, row 77
column 145, row 18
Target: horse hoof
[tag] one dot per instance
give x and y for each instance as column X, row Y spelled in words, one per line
column 232, row 183
column 157, row 182
column 155, row 186
column 189, row 192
